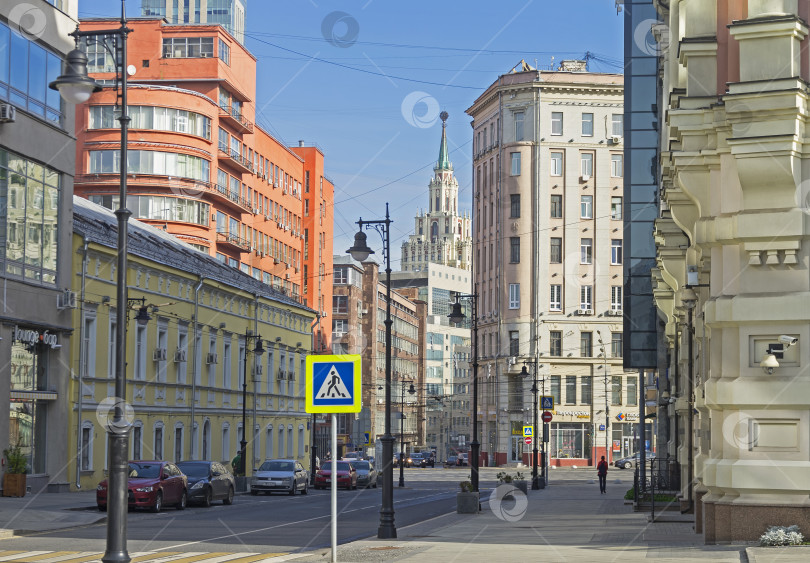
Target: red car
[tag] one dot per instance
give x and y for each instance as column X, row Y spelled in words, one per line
column 151, row 484
column 346, row 475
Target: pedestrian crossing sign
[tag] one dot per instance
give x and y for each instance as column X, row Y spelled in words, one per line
column 547, row 403
column 333, row 384
column 528, row 431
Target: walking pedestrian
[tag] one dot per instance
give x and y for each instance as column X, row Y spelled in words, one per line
column 601, row 470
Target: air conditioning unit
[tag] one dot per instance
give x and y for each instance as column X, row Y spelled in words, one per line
column 275, row 184
column 66, row 300
column 512, row 360
column 587, row 312
column 159, row 355
column 614, row 313
column 180, row 356
column 256, row 211
column 281, row 374
column 211, row 359
column 585, row 177
column 615, row 139
column 291, row 375
column 7, row 113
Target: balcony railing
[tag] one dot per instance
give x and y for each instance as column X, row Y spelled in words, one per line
column 238, row 161
column 225, row 237
column 235, row 120
column 232, row 197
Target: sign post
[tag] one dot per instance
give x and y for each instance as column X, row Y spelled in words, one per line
column 333, row 385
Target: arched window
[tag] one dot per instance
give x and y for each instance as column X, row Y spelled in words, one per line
column 434, row 231
column 157, row 442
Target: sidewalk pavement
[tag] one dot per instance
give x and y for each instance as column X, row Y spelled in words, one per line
column 568, row 521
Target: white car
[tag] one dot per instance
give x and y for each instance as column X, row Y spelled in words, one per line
column 284, row 475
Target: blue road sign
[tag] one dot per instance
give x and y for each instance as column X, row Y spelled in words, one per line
column 333, row 384
column 547, row 403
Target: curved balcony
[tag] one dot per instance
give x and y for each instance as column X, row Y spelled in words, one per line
column 235, row 241
column 181, row 187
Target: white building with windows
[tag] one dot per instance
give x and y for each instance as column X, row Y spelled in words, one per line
column 442, row 234
column 548, row 169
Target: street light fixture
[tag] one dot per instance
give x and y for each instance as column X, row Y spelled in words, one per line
column 411, row 390
column 525, row 373
column 258, row 350
column 76, row 86
column 456, row 316
column 360, row 252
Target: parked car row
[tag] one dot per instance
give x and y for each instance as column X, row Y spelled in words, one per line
column 155, row 484
column 632, row 460
column 351, row 473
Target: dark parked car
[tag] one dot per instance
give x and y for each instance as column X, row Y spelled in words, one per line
column 346, row 476
column 151, row 484
column 632, row 461
column 422, row 460
column 208, row 481
column 451, row 461
column 284, row 475
column 366, row 474
column 404, row 459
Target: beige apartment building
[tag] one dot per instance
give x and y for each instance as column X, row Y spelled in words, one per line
column 548, row 174
column 732, row 281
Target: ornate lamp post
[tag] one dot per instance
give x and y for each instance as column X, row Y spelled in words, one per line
column 456, row 316
column 76, row 87
column 257, row 351
column 525, row 373
column 411, row 390
column 360, row 252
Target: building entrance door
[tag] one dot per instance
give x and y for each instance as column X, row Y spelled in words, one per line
column 516, row 451
column 627, row 446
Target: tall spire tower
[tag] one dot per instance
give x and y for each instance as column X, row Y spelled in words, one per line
column 441, row 235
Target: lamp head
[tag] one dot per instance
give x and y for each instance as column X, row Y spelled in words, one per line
column 411, row 389
column 524, row 372
column 75, row 86
column 360, row 250
column 259, row 349
column 768, row 363
column 456, row 316
column 143, row 316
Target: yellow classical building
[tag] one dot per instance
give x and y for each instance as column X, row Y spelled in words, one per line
column 186, row 363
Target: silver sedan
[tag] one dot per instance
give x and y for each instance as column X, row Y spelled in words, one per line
column 366, row 474
column 284, row 475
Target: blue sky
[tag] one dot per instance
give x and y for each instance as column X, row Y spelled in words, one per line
column 365, row 81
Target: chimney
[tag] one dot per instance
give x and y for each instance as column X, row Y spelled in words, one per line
column 300, row 142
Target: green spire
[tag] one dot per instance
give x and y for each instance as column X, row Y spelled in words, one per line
column 444, row 158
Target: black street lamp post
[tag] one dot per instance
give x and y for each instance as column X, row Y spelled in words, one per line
column 76, row 87
column 525, row 373
column 456, row 316
column 360, row 252
column 258, row 351
column 411, row 390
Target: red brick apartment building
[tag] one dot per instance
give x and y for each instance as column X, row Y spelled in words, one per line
column 199, row 167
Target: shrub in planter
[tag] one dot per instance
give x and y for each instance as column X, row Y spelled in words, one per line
column 14, row 483
column 467, row 501
column 781, row 535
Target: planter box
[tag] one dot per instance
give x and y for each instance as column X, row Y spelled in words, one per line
column 14, row 485
column 467, row 503
column 523, row 485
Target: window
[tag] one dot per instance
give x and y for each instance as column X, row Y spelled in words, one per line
column 570, row 389
column 514, row 296
column 518, row 125
column 137, row 441
column 587, row 125
column 586, row 164
column 111, row 347
column 586, row 344
column 514, row 250
column 158, row 443
column 514, row 343
column 151, row 162
column 29, row 218
column 515, row 170
column 616, row 298
column 616, row 251
column 339, row 327
column 154, row 118
column 555, row 343
column 586, row 389
column 341, row 275
column 556, row 164
column 556, row 206
column 585, row 251
column 514, row 206
column 585, row 297
column 188, row 47
column 555, row 301
column 616, row 207
column 616, row 344
column 139, row 370
column 616, row 166
column 632, row 391
column 555, row 389
column 586, row 207
column 616, row 390
column 86, row 462
column 25, row 71
column 617, row 124
column 224, row 52
column 556, row 250
column 556, row 123
column 340, row 304
column 178, row 443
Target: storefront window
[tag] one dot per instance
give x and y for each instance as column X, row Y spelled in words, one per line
column 570, row 440
column 29, row 214
column 27, row 424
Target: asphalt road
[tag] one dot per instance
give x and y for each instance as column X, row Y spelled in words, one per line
column 279, row 522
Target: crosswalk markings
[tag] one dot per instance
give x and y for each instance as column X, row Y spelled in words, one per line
column 137, row 557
